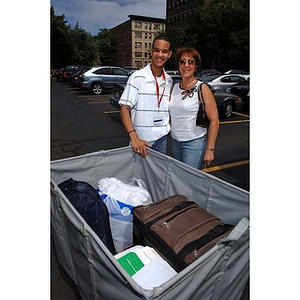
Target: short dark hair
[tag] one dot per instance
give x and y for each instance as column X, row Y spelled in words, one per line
column 161, row 37
column 190, row 51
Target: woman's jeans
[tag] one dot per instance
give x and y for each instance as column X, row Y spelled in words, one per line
column 190, row 152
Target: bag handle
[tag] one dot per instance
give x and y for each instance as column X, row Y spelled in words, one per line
column 138, row 182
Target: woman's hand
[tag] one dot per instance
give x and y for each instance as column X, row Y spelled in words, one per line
column 209, row 156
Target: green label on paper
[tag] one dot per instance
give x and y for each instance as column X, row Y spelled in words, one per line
column 131, row 263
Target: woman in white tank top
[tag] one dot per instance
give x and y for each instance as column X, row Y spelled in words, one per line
column 191, row 143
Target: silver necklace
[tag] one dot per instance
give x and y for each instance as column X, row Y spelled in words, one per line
column 194, row 81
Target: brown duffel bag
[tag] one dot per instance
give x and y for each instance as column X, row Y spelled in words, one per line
column 178, row 229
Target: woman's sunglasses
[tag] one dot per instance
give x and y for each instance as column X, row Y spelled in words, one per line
column 189, row 61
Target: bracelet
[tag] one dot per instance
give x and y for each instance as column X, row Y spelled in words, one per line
column 210, row 148
column 130, row 131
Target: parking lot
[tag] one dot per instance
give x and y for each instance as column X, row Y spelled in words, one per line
column 83, row 123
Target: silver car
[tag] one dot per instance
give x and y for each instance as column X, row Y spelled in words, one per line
column 101, row 78
column 222, row 82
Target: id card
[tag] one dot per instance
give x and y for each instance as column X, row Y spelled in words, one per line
column 157, row 122
column 157, row 119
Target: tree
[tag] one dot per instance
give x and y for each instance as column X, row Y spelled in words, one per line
column 84, row 49
column 71, row 46
column 61, row 48
column 220, row 32
column 105, row 47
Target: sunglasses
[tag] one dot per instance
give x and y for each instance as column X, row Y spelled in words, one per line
column 189, row 61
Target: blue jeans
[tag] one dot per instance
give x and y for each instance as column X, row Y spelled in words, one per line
column 190, row 152
column 160, row 145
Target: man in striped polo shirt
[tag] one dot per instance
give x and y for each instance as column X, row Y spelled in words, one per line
column 145, row 102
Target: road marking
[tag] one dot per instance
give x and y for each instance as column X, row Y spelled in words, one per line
column 239, row 114
column 91, row 96
column 233, row 122
column 226, row 166
column 111, row 112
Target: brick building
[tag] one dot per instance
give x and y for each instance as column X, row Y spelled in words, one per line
column 134, row 38
column 181, row 11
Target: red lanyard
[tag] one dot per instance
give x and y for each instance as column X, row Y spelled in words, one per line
column 157, row 89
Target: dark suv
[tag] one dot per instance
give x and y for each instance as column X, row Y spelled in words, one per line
column 101, row 78
column 69, row 71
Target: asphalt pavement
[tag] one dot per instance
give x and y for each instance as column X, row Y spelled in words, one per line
column 78, row 127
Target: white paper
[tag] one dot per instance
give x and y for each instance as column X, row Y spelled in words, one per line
column 154, row 274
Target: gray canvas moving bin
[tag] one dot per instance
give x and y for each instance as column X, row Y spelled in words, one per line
column 221, row 273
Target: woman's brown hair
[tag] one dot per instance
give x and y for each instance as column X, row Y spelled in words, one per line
column 189, row 51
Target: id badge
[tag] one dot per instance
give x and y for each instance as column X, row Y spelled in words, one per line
column 157, row 120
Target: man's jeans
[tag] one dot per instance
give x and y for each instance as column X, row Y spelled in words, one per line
column 160, row 145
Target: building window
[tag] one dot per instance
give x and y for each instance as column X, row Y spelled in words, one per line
column 138, row 25
column 146, row 54
column 138, row 54
column 146, row 35
column 150, row 36
column 146, row 25
column 138, row 64
column 138, row 35
column 138, row 45
column 150, row 26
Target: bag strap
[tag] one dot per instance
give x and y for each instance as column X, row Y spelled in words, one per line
column 200, row 95
column 199, row 243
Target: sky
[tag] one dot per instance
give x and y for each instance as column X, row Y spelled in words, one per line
column 93, row 15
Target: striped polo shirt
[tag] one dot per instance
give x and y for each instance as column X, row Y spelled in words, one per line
column 149, row 111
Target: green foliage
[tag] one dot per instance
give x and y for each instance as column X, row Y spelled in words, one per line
column 75, row 46
column 84, row 50
column 220, row 32
column 60, row 46
column 105, row 47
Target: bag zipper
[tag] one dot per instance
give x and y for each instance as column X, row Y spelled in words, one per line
column 166, row 223
column 177, row 207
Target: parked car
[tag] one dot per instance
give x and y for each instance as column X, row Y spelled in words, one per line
column 236, row 72
column 222, row 82
column 172, row 72
column 243, row 91
column 208, row 72
column 130, row 70
column 75, row 76
column 101, row 78
column 69, row 70
column 59, row 74
column 226, row 102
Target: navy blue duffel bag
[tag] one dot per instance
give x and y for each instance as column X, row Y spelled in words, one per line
column 88, row 203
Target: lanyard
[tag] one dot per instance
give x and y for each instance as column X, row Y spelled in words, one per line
column 157, row 89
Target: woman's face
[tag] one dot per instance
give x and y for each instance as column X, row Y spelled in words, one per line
column 187, row 66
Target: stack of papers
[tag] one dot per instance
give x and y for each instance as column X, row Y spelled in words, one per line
column 145, row 266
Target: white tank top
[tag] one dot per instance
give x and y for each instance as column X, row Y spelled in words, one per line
column 183, row 114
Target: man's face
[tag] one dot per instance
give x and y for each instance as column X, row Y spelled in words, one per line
column 160, row 53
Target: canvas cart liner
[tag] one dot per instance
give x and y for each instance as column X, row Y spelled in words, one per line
column 221, row 273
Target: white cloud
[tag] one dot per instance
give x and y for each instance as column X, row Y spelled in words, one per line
column 95, row 14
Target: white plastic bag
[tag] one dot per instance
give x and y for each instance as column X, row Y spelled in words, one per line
column 120, row 198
